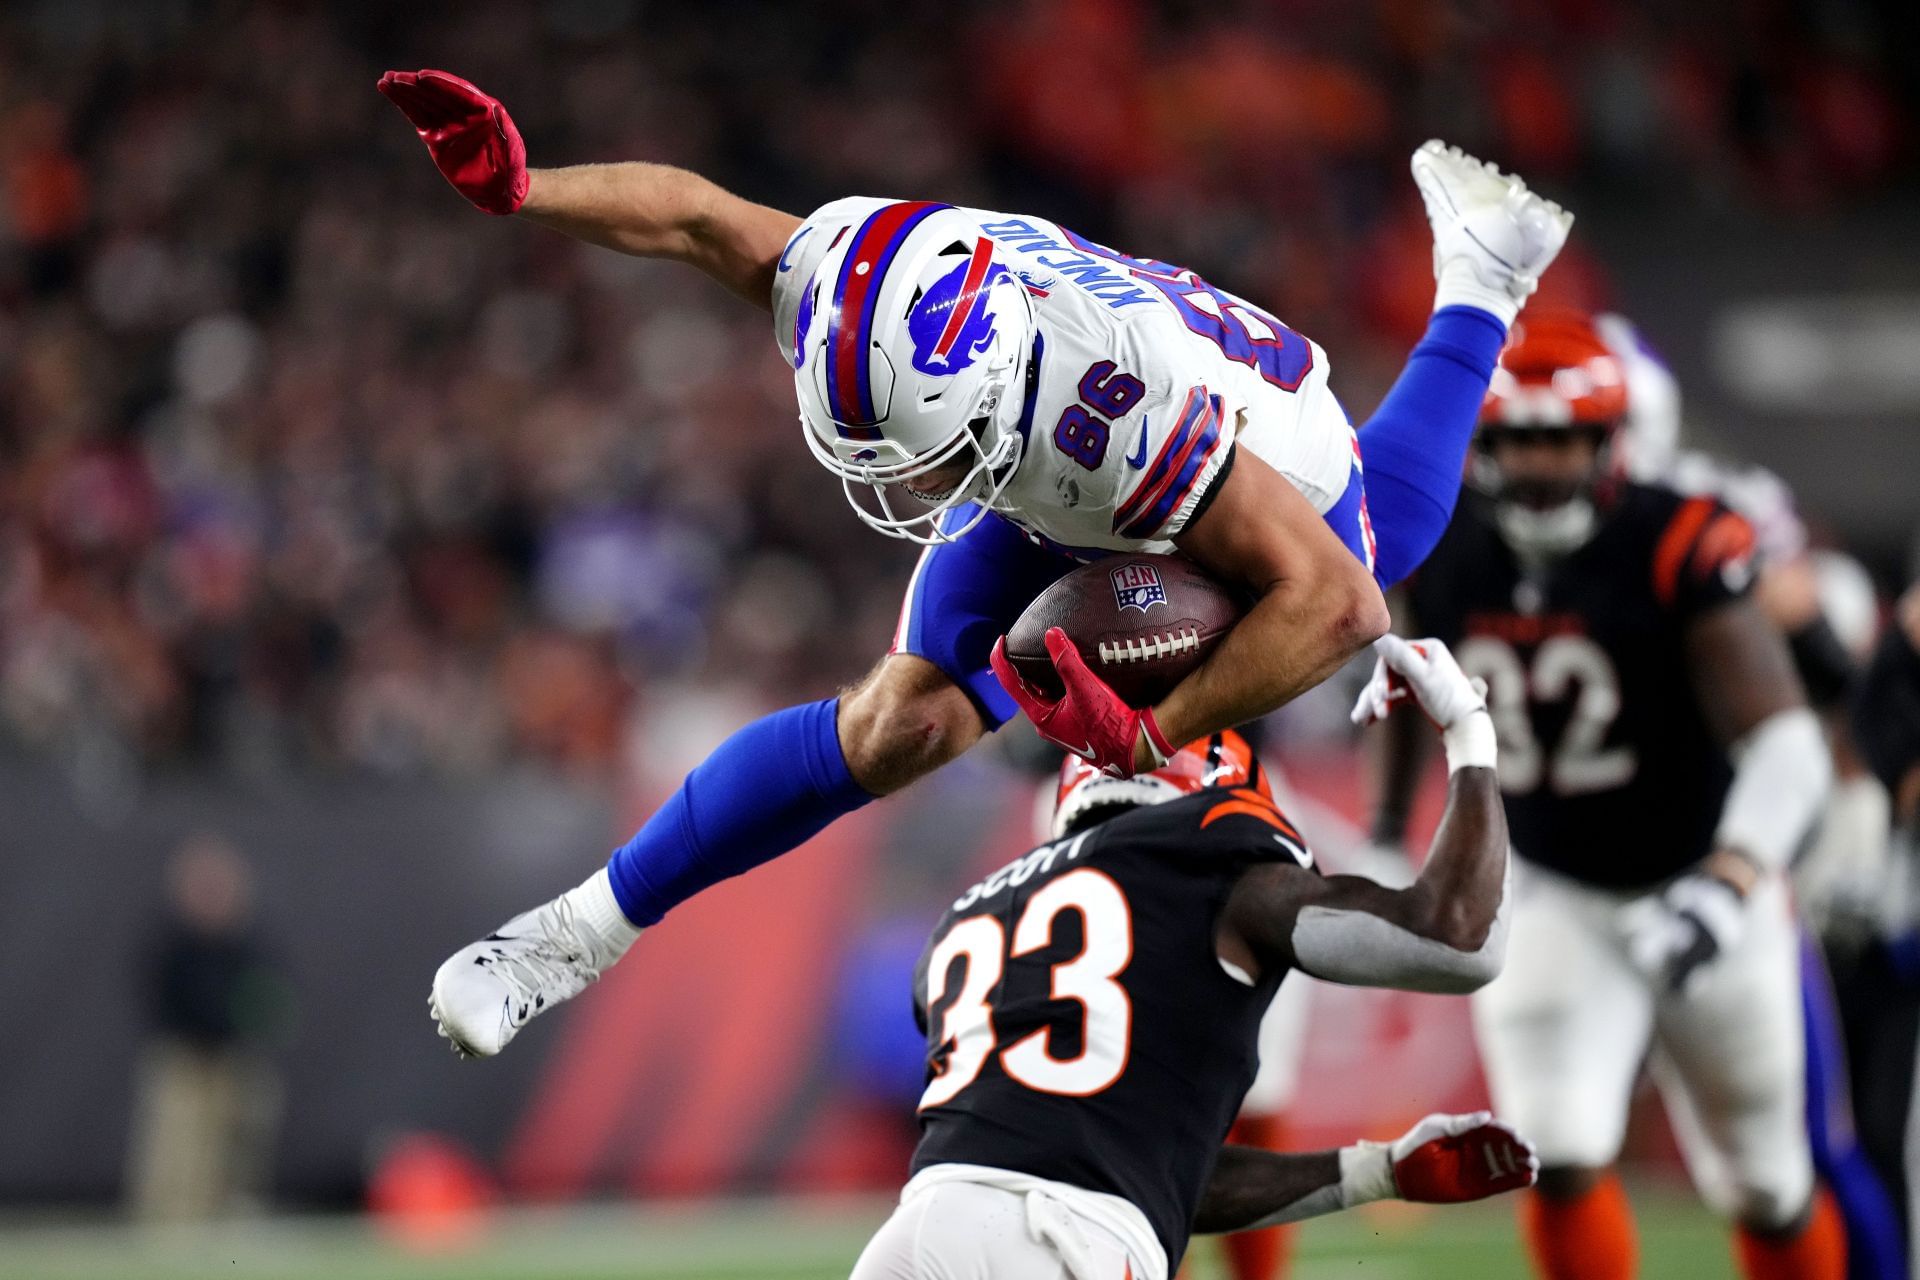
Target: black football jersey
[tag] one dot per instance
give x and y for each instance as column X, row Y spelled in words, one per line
column 1079, row 1025
column 1610, row 772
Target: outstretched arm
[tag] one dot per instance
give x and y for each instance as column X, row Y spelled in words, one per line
column 649, row 210
column 1253, row 1188
column 1442, row 1160
column 657, row 211
column 1446, row 932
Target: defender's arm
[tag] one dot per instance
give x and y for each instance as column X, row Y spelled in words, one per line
column 1446, row 932
column 1442, row 1160
column 1398, row 750
column 1743, row 673
column 1253, row 1188
column 1316, row 605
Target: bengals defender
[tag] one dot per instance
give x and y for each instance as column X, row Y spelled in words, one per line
column 1092, row 1011
column 1660, row 767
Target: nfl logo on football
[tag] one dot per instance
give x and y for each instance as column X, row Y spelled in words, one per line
column 1138, row 586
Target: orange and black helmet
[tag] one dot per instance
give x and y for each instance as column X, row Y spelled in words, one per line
column 1556, row 371
column 1557, row 381
column 1223, row 760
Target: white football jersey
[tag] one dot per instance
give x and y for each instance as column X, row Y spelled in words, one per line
column 1148, row 377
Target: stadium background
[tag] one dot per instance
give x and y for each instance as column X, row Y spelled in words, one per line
column 414, row 553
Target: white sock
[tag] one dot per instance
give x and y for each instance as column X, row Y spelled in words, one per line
column 595, row 907
column 1459, row 285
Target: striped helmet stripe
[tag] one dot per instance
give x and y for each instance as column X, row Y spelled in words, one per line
column 850, row 319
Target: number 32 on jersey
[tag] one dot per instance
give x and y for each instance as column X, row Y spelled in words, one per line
column 1566, row 666
column 1106, row 1014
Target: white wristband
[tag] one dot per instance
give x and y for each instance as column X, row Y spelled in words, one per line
column 1366, row 1174
column 1471, row 742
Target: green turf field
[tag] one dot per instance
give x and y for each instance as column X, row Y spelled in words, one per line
column 778, row 1240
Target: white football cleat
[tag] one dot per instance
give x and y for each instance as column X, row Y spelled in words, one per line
column 1492, row 237
column 486, row 992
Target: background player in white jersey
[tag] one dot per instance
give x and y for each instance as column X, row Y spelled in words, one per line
column 1040, row 397
column 1092, row 1008
column 1660, row 767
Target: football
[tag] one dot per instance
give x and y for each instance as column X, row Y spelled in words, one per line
column 1141, row 622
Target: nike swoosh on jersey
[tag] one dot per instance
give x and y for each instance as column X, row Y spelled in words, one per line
column 786, row 254
column 1138, row 458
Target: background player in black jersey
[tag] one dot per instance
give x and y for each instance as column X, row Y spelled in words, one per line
column 1846, row 878
column 1825, row 604
column 1660, row 767
column 1092, row 1009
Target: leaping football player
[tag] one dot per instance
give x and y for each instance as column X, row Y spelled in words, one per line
column 1092, row 1012
column 1018, row 399
column 1660, row 766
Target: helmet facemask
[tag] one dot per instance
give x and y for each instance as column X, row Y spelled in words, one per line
column 1558, row 387
column 938, row 372
column 988, row 443
column 1545, row 514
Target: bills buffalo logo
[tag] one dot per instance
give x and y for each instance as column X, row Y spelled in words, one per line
column 864, row 455
column 952, row 324
column 1137, row 586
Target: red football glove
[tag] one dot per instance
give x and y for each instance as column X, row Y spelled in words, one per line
column 1088, row 719
column 469, row 133
column 1450, row 1159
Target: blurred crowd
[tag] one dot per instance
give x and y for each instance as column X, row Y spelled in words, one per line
column 303, row 460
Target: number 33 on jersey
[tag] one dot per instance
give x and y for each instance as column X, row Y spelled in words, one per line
column 966, row 1029
column 1076, row 991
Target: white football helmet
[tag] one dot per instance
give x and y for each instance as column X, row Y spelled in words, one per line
column 907, row 349
column 1650, row 435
